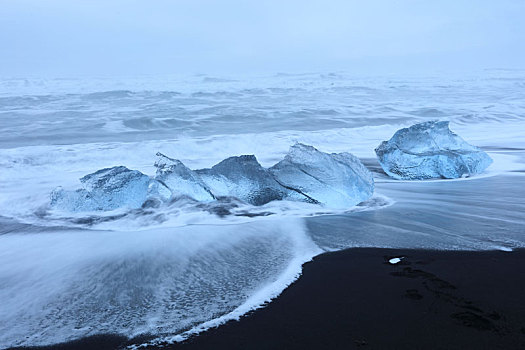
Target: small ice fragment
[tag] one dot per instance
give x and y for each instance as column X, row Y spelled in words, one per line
column 504, row 249
column 394, row 261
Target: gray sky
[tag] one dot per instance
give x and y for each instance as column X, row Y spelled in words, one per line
column 126, row 37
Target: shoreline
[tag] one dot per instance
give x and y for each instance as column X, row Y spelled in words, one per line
column 355, row 298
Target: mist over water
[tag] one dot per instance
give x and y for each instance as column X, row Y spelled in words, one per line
column 60, row 38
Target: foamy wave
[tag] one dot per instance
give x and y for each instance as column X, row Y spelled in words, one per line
column 160, row 282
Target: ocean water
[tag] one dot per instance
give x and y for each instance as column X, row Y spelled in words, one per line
column 176, row 270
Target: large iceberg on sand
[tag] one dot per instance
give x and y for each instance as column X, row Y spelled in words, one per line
column 430, row 150
column 244, row 178
column 109, row 189
column 305, row 174
column 337, row 180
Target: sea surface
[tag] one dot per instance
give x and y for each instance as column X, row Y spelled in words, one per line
column 179, row 269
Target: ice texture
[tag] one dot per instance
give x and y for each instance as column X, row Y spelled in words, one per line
column 244, row 178
column 430, row 150
column 337, row 180
column 109, row 189
column 181, row 180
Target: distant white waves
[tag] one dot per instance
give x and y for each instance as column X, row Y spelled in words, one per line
column 71, row 111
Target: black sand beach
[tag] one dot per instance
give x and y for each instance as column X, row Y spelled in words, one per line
column 356, row 299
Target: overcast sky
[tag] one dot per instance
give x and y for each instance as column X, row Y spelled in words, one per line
column 127, row 37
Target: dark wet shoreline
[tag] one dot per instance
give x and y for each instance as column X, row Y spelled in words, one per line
column 355, row 299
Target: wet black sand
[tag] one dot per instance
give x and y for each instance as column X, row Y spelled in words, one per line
column 356, row 299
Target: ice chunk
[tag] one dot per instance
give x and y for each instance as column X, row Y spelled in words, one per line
column 79, row 200
column 242, row 177
column 109, row 189
column 430, row 150
column 395, row 261
column 334, row 180
column 181, row 180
